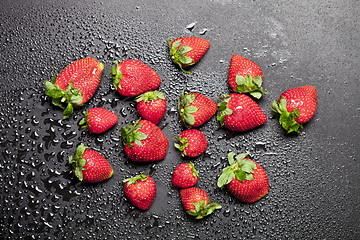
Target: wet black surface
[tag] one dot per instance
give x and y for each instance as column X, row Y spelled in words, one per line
column 314, row 177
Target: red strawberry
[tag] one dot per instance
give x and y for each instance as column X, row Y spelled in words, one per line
column 89, row 165
column 196, row 202
column 245, row 76
column 239, row 113
column 132, row 78
column 192, row 143
column 75, row 85
column 244, row 178
column 98, row 120
column 295, row 107
column 140, row 191
column 151, row 106
column 186, row 51
column 144, row 141
column 185, row 175
column 195, row 109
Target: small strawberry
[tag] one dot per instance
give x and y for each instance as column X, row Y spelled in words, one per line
column 245, row 179
column 98, row 120
column 75, row 85
column 196, row 202
column 132, row 78
column 89, row 165
column 151, row 106
column 245, row 76
column 186, row 51
column 144, row 141
column 195, row 109
column 185, row 175
column 239, row 113
column 192, row 143
column 140, row 191
column 295, row 107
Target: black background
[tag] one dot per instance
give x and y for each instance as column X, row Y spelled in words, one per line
column 314, row 177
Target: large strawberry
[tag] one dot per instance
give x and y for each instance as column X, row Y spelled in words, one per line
column 239, row 113
column 195, row 109
column 75, row 85
column 245, row 76
column 245, row 179
column 140, row 191
column 132, row 78
column 151, row 106
column 185, row 175
column 144, row 141
column 90, row 166
column 98, row 120
column 295, row 107
column 192, row 143
column 186, row 51
column 196, row 202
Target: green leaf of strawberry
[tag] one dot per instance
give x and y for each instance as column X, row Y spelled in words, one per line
column 250, row 85
column 286, row 119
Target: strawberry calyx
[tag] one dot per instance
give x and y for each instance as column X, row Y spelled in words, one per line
column 223, row 110
column 178, row 54
column 286, row 119
column 84, row 123
column 150, row 96
column 250, row 85
column 131, row 134
column 116, row 76
column 185, row 109
column 134, row 180
column 70, row 97
column 203, row 209
column 77, row 161
column 240, row 168
column 183, row 143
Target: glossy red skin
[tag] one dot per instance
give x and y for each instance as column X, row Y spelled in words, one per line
column 183, row 176
column 85, row 74
column 137, row 78
column 246, row 114
column 197, row 142
column 242, row 66
column 199, row 47
column 191, row 195
column 249, row 191
column 142, row 193
column 207, row 109
column 97, row 168
column 154, row 147
column 101, row 120
column 304, row 98
column 153, row 110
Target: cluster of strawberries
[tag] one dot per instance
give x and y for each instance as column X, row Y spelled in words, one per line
column 144, row 141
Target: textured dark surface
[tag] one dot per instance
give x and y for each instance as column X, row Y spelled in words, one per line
column 314, row 177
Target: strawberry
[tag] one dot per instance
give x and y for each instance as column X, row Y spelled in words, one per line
column 192, row 143
column 140, row 191
column 186, row 51
column 239, row 113
column 195, row 109
column 295, row 107
column 90, row 166
column 245, row 179
column 245, row 76
column 151, row 106
column 144, row 141
column 196, row 202
column 75, row 85
column 98, row 120
column 132, row 78
column 185, row 175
